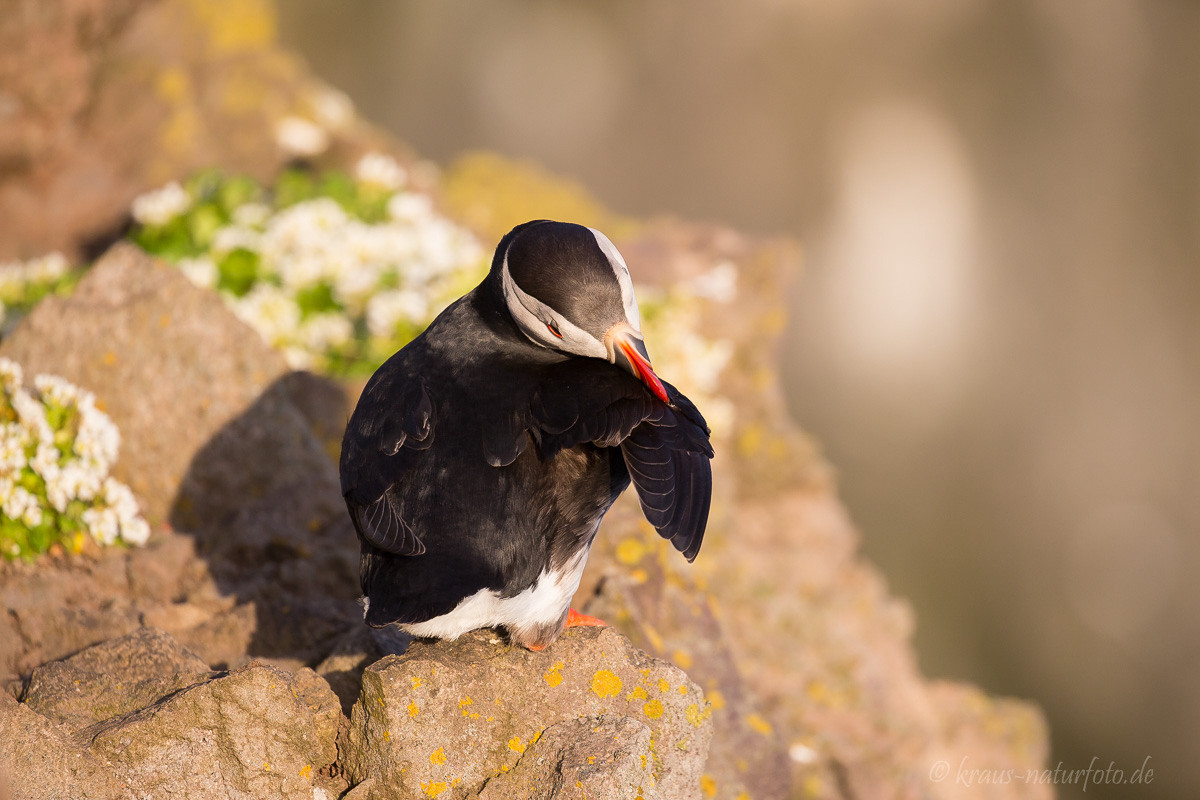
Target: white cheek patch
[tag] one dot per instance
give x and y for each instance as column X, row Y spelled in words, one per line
column 632, row 315
column 532, row 315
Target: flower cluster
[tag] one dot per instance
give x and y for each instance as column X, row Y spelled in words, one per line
column 341, row 270
column 23, row 284
column 688, row 359
column 56, row 451
column 338, row 271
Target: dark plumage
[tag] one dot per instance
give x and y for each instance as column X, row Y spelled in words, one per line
column 482, row 456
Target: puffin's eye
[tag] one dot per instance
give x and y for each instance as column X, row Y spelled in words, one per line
column 550, row 326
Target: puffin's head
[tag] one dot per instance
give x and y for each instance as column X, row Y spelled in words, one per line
column 568, row 289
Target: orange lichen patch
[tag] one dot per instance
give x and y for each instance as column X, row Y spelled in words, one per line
column 462, row 705
column 682, row 658
column 434, row 789
column 716, row 698
column 759, row 724
column 553, row 676
column 306, row 772
column 743, row 795
column 630, row 551
column 516, row 745
column 109, row 358
column 387, row 736
column 416, row 682
column 653, row 709
column 438, row 756
column 639, row 575
column 413, row 710
column 266, row 766
column 638, row 693
column 708, row 785
column 683, row 688
column 813, row 786
column 605, row 683
column 664, row 685
column 696, row 715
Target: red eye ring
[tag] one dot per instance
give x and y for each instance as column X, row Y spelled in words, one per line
column 550, row 326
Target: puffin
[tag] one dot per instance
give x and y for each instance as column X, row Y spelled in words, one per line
column 481, row 458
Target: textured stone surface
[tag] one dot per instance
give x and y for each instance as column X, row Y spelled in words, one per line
column 38, row 760
column 101, row 100
column 167, row 362
column 113, row 678
column 592, row 757
column 449, row 716
column 256, row 732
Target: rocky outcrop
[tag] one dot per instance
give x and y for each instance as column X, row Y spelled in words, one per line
column 253, row 733
column 177, row 373
column 452, row 716
column 114, row 678
column 798, row 661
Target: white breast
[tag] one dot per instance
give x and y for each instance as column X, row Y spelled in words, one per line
column 541, row 604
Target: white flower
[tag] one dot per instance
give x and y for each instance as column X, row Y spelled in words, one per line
column 380, row 170
column 332, row 108
column 13, row 440
column 410, row 207
column 200, row 271
column 297, row 136
column 271, row 311
column 719, row 283
column 320, row 332
column 251, row 215
column 235, row 237
column 161, row 205
column 135, row 530
column 18, row 503
column 47, row 268
column 387, row 309
column 103, row 524
column 11, row 376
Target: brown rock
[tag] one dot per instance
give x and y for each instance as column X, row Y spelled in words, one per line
column 113, row 678
column 256, row 732
column 450, row 716
column 579, row 759
column 39, row 761
column 184, row 381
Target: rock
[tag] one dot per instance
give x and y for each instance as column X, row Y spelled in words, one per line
column 671, row 619
column 448, row 717
column 168, row 362
column 257, row 732
column 114, row 678
column 104, row 99
column 39, row 761
column 581, row 758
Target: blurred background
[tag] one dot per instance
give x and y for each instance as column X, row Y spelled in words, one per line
column 997, row 335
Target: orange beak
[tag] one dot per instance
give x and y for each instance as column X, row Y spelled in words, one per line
column 627, row 350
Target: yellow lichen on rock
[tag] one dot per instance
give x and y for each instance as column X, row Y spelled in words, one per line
column 605, row 683
column 492, row 194
column 438, row 756
column 553, row 675
column 653, row 709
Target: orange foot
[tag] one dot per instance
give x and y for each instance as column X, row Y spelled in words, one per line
column 577, row 620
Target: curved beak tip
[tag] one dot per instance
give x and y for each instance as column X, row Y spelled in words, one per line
column 641, row 368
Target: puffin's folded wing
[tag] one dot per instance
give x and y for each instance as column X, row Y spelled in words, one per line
column 379, row 449
column 665, row 447
column 668, row 456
